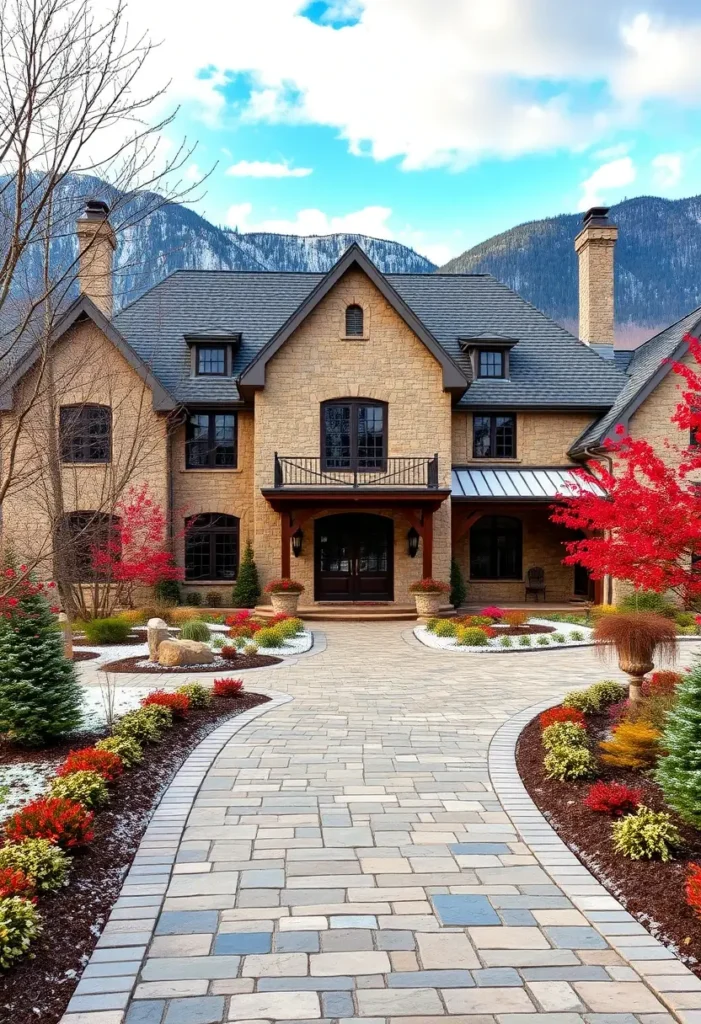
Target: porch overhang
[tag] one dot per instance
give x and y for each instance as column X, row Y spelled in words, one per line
column 290, row 499
column 528, row 484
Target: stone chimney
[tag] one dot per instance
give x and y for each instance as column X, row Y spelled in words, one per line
column 96, row 241
column 594, row 247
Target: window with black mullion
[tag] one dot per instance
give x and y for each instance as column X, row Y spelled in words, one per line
column 354, row 435
column 494, row 437
column 211, row 441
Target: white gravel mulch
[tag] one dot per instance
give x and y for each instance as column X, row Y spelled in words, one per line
column 448, row 643
column 299, row 644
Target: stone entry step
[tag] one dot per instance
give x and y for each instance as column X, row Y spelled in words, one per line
column 351, row 611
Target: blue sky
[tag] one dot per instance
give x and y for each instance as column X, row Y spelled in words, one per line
column 435, row 122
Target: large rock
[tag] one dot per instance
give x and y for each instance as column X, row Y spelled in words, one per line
column 156, row 633
column 184, row 652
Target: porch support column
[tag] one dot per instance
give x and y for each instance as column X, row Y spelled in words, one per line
column 427, row 536
column 285, row 536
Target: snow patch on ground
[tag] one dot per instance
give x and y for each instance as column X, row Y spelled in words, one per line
column 448, row 643
column 96, row 703
column 20, row 783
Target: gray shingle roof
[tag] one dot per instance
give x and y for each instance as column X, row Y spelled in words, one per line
column 549, row 367
column 646, row 362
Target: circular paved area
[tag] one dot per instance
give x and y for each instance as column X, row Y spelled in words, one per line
column 343, row 855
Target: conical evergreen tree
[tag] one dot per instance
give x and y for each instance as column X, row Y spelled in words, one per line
column 679, row 773
column 458, row 590
column 40, row 697
column 247, row 587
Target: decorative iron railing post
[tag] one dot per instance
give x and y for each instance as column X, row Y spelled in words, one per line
column 357, row 473
column 433, row 472
column 278, row 472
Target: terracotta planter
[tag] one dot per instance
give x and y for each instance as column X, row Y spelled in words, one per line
column 286, row 602
column 427, row 605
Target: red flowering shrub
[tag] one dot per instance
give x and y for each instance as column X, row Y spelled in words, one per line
column 227, row 687
column 64, row 822
column 277, row 618
column 178, row 703
column 229, row 652
column 14, row 882
column 246, row 629
column 693, row 888
column 493, row 612
column 90, row 759
column 612, row 798
column 240, row 618
column 618, row 711
column 665, row 681
column 553, row 715
column 427, row 586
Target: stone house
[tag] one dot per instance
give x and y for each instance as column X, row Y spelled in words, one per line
column 359, row 428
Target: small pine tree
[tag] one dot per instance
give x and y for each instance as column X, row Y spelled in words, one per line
column 40, row 697
column 679, row 773
column 247, row 587
column 458, row 590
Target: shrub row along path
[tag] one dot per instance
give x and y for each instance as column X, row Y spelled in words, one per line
column 347, row 857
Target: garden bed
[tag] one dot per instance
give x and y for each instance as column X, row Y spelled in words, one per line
column 652, row 890
column 85, row 655
column 242, row 662
column 39, row 989
column 547, row 635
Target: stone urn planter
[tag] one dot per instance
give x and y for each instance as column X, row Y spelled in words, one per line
column 635, row 638
column 284, row 595
column 428, row 594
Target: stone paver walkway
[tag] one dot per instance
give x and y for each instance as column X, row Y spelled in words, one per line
column 346, row 857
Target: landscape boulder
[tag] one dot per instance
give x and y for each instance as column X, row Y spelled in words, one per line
column 156, row 633
column 184, row 652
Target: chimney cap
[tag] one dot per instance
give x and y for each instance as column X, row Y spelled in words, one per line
column 96, row 208
column 596, row 215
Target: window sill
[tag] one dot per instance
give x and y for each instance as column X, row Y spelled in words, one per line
column 212, row 469
column 492, row 462
column 209, row 583
column 355, row 337
column 96, row 462
column 497, row 579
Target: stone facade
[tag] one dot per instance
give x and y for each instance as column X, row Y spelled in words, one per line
column 542, row 438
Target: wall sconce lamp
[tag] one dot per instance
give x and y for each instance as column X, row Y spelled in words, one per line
column 412, row 538
column 297, row 537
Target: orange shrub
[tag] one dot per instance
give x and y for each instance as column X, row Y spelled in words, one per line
column 633, row 745
column 515, row 617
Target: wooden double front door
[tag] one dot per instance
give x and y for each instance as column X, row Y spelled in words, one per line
column 353, row 558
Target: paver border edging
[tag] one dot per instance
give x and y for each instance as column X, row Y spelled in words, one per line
column 167, row 824
column 602, row 910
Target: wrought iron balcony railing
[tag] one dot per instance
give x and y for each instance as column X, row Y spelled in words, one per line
column 403, row 471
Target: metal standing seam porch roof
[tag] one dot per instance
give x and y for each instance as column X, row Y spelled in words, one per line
column 511, row 484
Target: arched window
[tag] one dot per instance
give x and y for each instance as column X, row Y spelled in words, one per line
column 85, row 433
column 354, row 320
column 353, row 434
column 495, row 548
column 211, row 547
column 79, row 536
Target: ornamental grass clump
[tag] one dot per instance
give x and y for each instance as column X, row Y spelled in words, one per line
column 88, row 788
column 567, row 764
column 127, row 750
column 646, row 835
column 564, row 734
column 195, row 629
column 612, row 798
column 63, row 822
column 558, row 638
column 197, row 694
column 525, row 640
column 113, row 630
column 44, row 863
column 635, row 638
column 106, row 763
column 633, row 745
column 679, row 773
column 20, row 924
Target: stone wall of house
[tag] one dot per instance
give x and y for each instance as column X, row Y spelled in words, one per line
column 86, row 368
column 227, row 491
column 542, row 438
column 317, row 363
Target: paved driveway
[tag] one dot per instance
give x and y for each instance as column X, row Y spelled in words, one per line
column 346, row 857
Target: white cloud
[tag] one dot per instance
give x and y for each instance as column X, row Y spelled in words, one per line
column 265, row 169
column 611, row 176
column 371, row 220
column 193, row 173
column 667, row 169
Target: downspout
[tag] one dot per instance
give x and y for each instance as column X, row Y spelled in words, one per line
column 600, row 453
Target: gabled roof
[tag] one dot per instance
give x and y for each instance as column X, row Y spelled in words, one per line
column 649, row 365
column 80, row 310
column 254, row 375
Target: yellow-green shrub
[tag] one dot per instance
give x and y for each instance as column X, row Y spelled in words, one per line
column 128, row 749
column 198, row 695
column 88, row 788
column 142, row 725
column 645, row 835
column 269, row 636
column 44, row 862
column 250, row 649
column 290, row 627
column 431, row 624
column 564, row 734
column 20, row 924
column 566, row 764
column 633, row 745
column 472, row 636
column 138, row 616
column 444, row 627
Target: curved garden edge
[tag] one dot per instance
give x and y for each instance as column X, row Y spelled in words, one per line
column 167, row 823
column 602, row 910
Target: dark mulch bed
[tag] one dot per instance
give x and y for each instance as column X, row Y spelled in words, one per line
column 39, row 989
column 650, row 890
column 523, row 630
column 85, row 655
column 238, row 664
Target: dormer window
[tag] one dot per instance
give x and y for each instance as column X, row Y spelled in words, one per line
column 490, row 363
column 211, row 360
column 212, row 352
column 354, row 321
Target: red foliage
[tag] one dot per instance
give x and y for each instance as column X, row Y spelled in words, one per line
column 14, row 882
column 16, row 585
column 618, row 711
column 227, row 687
column 493, row 612
column 429, row 586
column 665, row 682
column 284, row 585
column 647, row 526
column 277, row 618
column 178, row 703
column 240, row 618
column 64, row 822
column 612, row 798
column 229, row 652
column 553, row 715
column 693, row 888
column 90, row 759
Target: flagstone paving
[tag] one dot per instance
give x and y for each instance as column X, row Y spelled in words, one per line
column 346, row 858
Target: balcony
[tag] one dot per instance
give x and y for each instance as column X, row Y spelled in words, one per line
column 416, row 473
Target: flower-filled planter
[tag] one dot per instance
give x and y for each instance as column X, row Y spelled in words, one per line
column 427, row 594
column 284, row 595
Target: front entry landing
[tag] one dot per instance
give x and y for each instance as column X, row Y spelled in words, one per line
column 353, row 558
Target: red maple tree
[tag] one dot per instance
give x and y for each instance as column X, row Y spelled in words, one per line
column 645, row 528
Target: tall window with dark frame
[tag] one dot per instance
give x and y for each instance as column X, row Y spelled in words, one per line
column 211, row 547
column 494, row 437
column 354, row 435
column 211, row 360
column 85, row 433
column 210, row 441
column 354, row 321
column 78, row 536
column 496, row 544
column 490, row 363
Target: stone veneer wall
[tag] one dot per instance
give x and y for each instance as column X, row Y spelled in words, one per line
column 542, row 438
column 392, row 365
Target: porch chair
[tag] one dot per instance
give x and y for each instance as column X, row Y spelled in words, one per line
column 535, row 582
